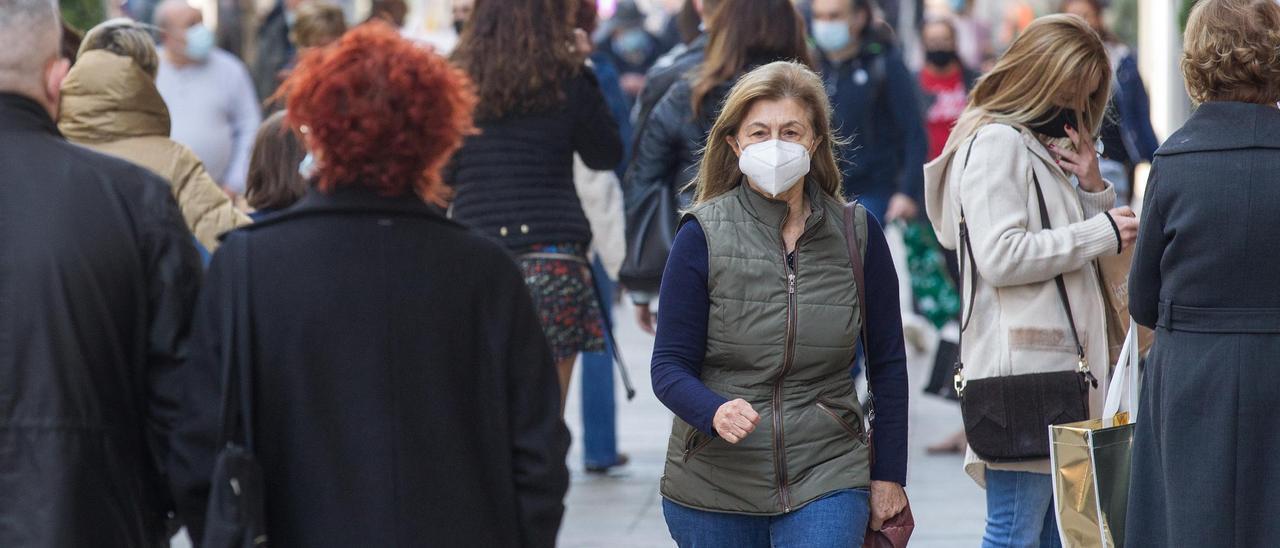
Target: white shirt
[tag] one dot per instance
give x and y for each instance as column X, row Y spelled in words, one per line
column 215, row 111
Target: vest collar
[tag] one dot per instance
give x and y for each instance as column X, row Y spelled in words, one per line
column 773, row 212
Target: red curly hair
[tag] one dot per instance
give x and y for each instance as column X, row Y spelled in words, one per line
column 379, row 111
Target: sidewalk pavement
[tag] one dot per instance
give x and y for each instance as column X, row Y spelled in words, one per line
column 624, row 510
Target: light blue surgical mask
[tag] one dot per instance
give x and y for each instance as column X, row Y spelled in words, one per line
column 831, row 35
column 200, row 41
column 307, row 167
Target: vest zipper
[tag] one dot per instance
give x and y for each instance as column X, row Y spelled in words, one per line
column 780, row 451
column 788, row 359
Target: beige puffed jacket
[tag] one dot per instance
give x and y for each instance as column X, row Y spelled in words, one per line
column 111, row 105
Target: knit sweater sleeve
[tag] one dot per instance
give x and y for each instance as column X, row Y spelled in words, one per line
column 682, row 333
column 994, row 193
column 595, row 132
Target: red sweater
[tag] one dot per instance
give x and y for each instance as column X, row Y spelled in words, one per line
column 949, row 99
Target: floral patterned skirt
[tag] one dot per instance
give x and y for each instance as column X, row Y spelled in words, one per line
column 563, row 294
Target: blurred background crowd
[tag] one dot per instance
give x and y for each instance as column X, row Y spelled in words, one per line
column 212, row 43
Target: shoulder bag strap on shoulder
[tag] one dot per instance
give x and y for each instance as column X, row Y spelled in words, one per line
column 854, row 241
column 1060, row 281
column 965, row 249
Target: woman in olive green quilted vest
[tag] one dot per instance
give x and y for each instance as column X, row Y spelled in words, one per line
column 761, row 315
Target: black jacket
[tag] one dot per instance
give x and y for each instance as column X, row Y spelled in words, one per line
column 404, row 394
column 98, row 275
column 275, row 50
column 669, row 143
column 514, row 180
column 668, row 70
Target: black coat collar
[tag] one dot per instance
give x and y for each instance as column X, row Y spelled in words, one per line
column 22, row 113
column 1226, row 126
column 355, row 201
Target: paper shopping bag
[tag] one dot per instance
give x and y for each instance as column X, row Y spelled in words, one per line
column 1113, row 271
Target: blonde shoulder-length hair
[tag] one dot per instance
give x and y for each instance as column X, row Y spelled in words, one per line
column 1055, row 53
column 775, row 81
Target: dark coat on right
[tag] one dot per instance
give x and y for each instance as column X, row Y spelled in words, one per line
column 1205, row 466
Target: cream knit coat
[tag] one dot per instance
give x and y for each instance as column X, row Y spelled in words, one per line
column 1018, row 323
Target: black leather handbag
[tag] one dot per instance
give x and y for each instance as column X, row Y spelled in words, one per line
column 651, row 229
column 235, row 517
column 1007, row 419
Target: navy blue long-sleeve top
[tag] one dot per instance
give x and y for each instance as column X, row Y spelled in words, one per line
column 874, row 101
column 681, row 345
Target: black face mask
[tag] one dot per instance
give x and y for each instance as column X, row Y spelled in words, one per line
column 940, row 57
column 1055, row 125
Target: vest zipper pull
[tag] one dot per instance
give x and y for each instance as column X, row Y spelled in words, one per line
column 791, row 284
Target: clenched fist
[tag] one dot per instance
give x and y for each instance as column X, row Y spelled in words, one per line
column 735, row 420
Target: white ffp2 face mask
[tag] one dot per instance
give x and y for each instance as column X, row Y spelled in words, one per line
column 775, row 165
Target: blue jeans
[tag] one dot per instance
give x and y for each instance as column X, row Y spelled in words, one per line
column 599, row 409
column 1020, row 511
column 837, row 520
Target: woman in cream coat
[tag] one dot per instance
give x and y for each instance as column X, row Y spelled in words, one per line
column 1032, row 118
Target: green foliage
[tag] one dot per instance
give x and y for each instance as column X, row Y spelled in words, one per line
column 1122, row 19
column 1186, row 13
column 82, row 14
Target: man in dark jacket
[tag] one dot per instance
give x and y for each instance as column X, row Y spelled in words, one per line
column 875, row 103
column 98, row 276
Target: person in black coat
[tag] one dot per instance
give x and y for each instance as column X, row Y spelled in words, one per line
column 403, row 392
column 1204, row 276
column 98, row 276
column 539, row 104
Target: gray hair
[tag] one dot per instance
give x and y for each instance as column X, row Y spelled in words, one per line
column 125, row 37
column 167, row 8
column 36, row 24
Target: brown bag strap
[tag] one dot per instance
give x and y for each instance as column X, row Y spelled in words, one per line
column 859, row 277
